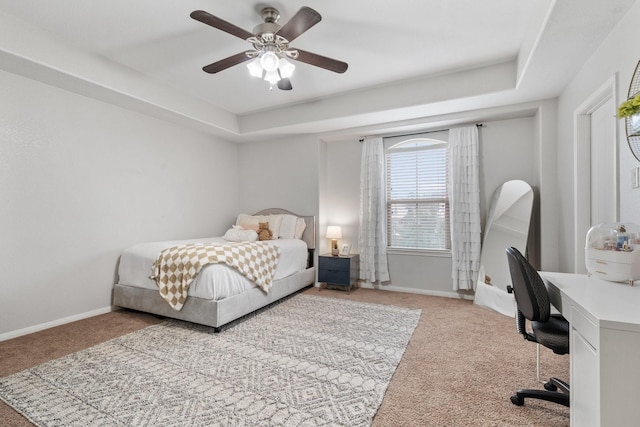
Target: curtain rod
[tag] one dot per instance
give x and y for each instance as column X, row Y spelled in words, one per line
column 421, row 133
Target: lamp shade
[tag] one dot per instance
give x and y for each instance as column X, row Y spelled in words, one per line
column 334, row 232
column 272, row 77
column 286, row 68
column 269, row 61
column 255, row 68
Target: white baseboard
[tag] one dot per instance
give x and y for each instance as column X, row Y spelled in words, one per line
column 58, row 322
column 415, row 291
column 418, row 291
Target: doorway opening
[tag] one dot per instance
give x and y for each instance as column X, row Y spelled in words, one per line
column 595, row 166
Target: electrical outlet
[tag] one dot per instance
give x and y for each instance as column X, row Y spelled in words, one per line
column 635, row 178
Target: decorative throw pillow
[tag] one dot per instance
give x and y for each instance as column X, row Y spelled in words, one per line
column 300, row 226
column 288, row 226
column 248, row 222
column 238, row 234
column 274, row 224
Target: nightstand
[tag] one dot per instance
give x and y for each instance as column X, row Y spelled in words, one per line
column 338, row 270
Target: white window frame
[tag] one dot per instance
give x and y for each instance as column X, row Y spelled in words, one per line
column 410, row 144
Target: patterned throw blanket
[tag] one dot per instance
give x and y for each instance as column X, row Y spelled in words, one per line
column 178, row 266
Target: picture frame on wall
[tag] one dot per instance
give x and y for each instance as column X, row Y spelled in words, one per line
column 345, row 249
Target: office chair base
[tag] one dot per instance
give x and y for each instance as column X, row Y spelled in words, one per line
column 554, row 384
column 550, row 396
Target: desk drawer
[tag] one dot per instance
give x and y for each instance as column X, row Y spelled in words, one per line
column 585, row 326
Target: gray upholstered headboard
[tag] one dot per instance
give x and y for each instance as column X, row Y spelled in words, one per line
column 309, row 235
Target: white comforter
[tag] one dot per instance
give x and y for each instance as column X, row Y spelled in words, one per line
column 215, row 281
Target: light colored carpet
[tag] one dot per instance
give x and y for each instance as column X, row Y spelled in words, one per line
column 460, row 368
column 308, row 360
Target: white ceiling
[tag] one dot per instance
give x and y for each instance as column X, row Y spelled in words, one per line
column 407, row 59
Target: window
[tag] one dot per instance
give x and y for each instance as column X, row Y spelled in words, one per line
column 417, row 194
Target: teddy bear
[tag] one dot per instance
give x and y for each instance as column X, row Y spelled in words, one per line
column 263, row 231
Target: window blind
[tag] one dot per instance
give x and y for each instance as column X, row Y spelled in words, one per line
column 417, row 195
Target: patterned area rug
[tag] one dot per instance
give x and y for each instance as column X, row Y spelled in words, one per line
column 306, row 361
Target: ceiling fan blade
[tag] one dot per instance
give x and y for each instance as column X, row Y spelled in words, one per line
column 221, row 24
column 322, row 61
column 225, row 63
column 304, row 19
column 284, row 84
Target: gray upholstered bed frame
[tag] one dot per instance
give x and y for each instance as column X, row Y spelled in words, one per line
column 218, row 313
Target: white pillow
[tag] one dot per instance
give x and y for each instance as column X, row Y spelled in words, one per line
column 248, row 222
column 300, row 226
column 238, row 234
column 288, row 226
column 274, row 223
column 251, row 222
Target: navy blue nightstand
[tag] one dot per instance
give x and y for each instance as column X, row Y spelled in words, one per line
column 339, row 271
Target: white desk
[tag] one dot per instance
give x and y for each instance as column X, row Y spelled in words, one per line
column 604, row 347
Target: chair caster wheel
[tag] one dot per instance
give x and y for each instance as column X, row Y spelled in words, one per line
column 517, row 400
column 550, row 387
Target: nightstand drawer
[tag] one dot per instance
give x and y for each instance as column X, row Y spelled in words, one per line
column 334, row 276
column 336, row 263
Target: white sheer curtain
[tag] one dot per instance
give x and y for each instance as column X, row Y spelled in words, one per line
column 464, row 204
column 372, row 241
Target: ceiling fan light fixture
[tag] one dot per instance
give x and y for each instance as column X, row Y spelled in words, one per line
column 272, row 76
column 286, row 68
column 255, row 67
column 269, row 58
column 269, row 61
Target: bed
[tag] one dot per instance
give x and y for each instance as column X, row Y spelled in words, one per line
column 218, row 294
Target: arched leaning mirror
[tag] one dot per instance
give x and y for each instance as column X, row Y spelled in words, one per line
column 632, row 107
column 507, row 225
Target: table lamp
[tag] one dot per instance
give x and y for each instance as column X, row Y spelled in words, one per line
column 334, row 232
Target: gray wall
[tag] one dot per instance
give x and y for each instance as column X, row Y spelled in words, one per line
column 279, row 173
column 80, row 180
column 615, row 59
column 507, row 150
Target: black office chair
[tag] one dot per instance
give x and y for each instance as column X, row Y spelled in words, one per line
column 552, row 331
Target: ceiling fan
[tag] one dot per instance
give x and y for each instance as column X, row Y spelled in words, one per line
column 271, row 48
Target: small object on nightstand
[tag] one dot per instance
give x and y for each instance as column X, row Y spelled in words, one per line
column 338, row 271
column 334, row 232
column 345, row 249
